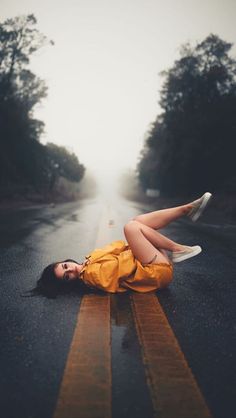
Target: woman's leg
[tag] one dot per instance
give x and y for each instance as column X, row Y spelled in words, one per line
column 145, row 243
column 160, row 218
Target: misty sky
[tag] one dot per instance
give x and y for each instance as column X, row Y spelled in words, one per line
column 102, row 72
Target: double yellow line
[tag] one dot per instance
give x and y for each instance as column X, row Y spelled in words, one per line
column 174, row 390
column 85, row 390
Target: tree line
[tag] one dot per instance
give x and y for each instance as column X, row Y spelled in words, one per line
column 24, row 161
column 191, row 146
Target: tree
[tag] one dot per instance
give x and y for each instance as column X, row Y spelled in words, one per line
column 22, row 157
column 63, row 163
column 19, row 39
column 191, row 145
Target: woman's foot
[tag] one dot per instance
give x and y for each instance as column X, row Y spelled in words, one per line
column 198, row 206
column 185, row 253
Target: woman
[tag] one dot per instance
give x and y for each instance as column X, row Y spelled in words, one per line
column 141, row 264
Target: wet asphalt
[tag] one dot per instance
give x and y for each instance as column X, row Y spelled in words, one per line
column 36, row 332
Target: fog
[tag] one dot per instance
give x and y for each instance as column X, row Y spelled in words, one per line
column 103, row 71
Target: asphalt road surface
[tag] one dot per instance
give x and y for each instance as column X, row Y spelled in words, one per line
column 36, row 332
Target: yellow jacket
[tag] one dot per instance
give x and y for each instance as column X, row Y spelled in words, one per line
column 114, row 268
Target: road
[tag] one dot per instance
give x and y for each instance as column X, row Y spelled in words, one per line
column 36, row 333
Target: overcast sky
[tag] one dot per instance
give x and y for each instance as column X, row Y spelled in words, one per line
column 102, row 72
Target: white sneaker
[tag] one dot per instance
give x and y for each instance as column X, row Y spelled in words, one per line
column 199, row 205
column 188, row 252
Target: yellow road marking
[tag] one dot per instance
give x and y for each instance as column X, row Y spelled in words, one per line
column 85, row 390
column 173, row 388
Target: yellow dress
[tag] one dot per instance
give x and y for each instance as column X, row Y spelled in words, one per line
column 113, row 268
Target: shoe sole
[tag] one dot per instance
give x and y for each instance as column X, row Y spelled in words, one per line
column 206, row 199
column 187, row 255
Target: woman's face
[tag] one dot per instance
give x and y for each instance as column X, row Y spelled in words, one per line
column 67, row 270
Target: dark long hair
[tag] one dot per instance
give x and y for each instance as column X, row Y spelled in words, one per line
column 48, row 284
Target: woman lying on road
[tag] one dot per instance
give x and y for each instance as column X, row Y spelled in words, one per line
column 142, row 264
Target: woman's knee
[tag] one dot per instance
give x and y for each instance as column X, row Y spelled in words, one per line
column 130, row 225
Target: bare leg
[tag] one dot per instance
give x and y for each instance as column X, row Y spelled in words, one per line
column 161, row 218
column 145, row 243
column 158, row 239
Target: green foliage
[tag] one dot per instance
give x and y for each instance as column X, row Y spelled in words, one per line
column 19, row 39
column 191, row 145
column 23, row 160
column 63, row 163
